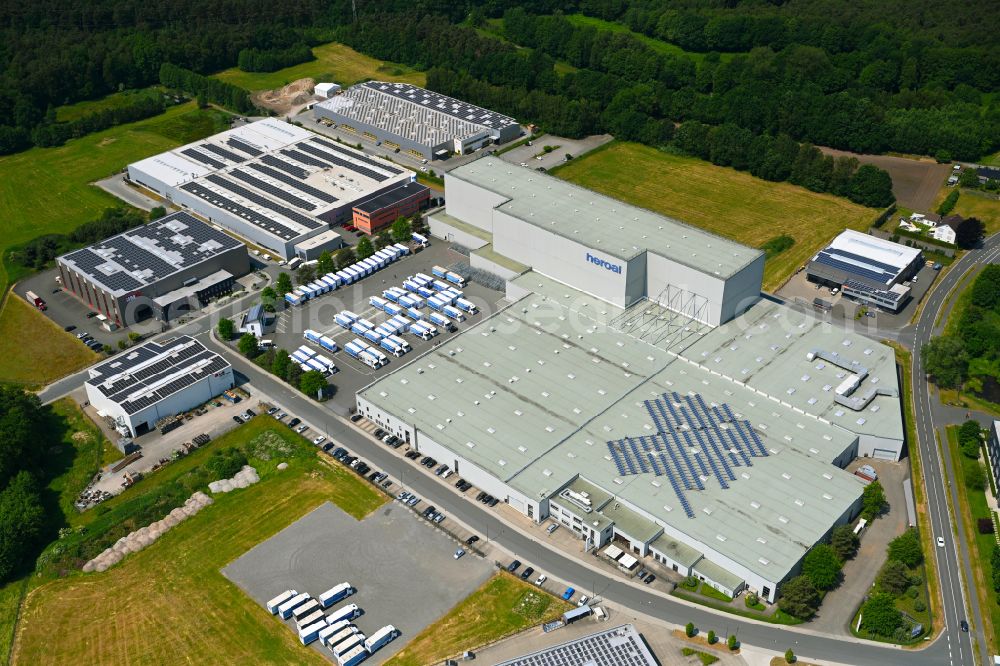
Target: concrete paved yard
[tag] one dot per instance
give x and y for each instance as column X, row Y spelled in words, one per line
column 403, row 569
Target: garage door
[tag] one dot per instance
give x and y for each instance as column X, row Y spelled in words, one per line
column 884, row 454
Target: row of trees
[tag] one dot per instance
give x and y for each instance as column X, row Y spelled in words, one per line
column 276, row 361
column 879, row 613
column 969, row 356
column 23, row 440
column 271, row 60
column 136, row 107
column 821, row 567
column 206, row 88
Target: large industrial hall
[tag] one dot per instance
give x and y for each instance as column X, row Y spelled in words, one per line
column 273, row 183
column 638, row 390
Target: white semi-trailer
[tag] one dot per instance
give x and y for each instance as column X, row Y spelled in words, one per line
column 272, row 605
column 335, row 594
column 285, row 609
column 381, row 637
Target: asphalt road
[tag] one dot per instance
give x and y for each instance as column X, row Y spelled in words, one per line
column 932, row 418
column 555, row 563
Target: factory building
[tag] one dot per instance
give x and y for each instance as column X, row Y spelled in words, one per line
column 638, row 391
column 416, row 121
column 271, row 182
column 868, row 269
column 156, row 380
column 381, row 210
column 162, row 269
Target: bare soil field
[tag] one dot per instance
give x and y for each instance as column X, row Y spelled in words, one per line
column 286, row 100
column 915, row 182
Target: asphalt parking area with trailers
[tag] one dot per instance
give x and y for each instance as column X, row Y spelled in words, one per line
column 403, row 569
column 318, row 314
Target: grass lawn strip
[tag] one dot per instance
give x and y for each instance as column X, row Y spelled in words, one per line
column 724, row 201
column 703, row 657
column 502, row 606
column 904, row 360
column 334, row 62
column 169, row 602
column 657, row 45
column 33, row 349
column 972, row 504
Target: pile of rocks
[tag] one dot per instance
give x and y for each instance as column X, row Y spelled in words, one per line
column 245, row 477
column 145, row 536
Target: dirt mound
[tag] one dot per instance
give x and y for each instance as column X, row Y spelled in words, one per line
column 283, row 100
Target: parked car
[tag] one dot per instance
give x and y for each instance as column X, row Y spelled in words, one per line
column 552, row 528
column 71, row 327
column 583, row 600
column 471, row 540
column 250, row 413
column 302, row 428
column 91, row 315
column 319, row 439
column 541, row 579
column 438, row 517
column 494, row 501
column 379, row 433
column 412, row 501
column 236, row 417
column 526, row 574
column 272, row 411
column 356, row 417
column 392, row 440
column 514, row 566
column 328, row 446
column 649, row 579
column 294, row 422
column 459, row 553
column 362, row 468
column 428, row 511
column 568, row 594
column 481, row 495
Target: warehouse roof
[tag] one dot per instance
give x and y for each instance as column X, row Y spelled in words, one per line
column 147, row 254
column 419, row 115
column 541, row 392
column 869, row 257
column 600, row 222
column 151, row 372
column 621, row 646
column 379, row 201
column 274, row 175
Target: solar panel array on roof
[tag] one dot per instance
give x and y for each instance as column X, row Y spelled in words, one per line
column 873, row 291
column 222, row 152
column 297, row 184
column 692, row 442
column 253, row 217
column 444, row 104
column 149, row 253
column 162, row 368
column 244, row 146
column 356, row 156
column 857, row 265
column 292, row 169
column 622, row 646
column 324, row 159
column 295, row 216
column 265, row 186
column 202, row 157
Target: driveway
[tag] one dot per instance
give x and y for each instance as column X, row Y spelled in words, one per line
column 534, row 155
column 840, row 604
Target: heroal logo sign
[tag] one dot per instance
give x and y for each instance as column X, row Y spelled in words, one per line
column 614, row 268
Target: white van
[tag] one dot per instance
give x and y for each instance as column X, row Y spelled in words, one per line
column 265, row 344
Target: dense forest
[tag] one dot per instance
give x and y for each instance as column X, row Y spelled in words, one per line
column 915, row 77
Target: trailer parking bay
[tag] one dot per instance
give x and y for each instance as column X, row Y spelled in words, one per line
column 407, row 586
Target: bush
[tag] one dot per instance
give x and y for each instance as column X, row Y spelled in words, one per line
column 731, row 642
column 949, row 203
column 919, row 606
column 789, row 656
column 985, row 526
column 689, row 629
column 906, row 548
column 225, row 464
column 712, row 638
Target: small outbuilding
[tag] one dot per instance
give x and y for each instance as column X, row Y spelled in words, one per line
column 326, row 90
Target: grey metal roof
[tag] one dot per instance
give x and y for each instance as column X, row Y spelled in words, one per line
column 621, row 646
column 600, row 222
column 144, row 255
column 534, row 394
column 419, row 115
column 153, row 371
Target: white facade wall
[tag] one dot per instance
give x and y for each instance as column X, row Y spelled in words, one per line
column 886, row 448
column 742, row 290
column 471, row 203
column 181, row 401
column 445, row 231
column 568, row 261
column 684, row 289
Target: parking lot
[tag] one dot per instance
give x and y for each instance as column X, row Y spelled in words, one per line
column 404, row 570
column 318, row 315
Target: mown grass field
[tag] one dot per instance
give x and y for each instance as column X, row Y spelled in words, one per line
column 34, row 350
column 48, row 190
column 503, row 605
column 334, row 62
column 169, row 603
column 975, row 204
column 79, row 109
column 727, row 202
column 657, row 45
